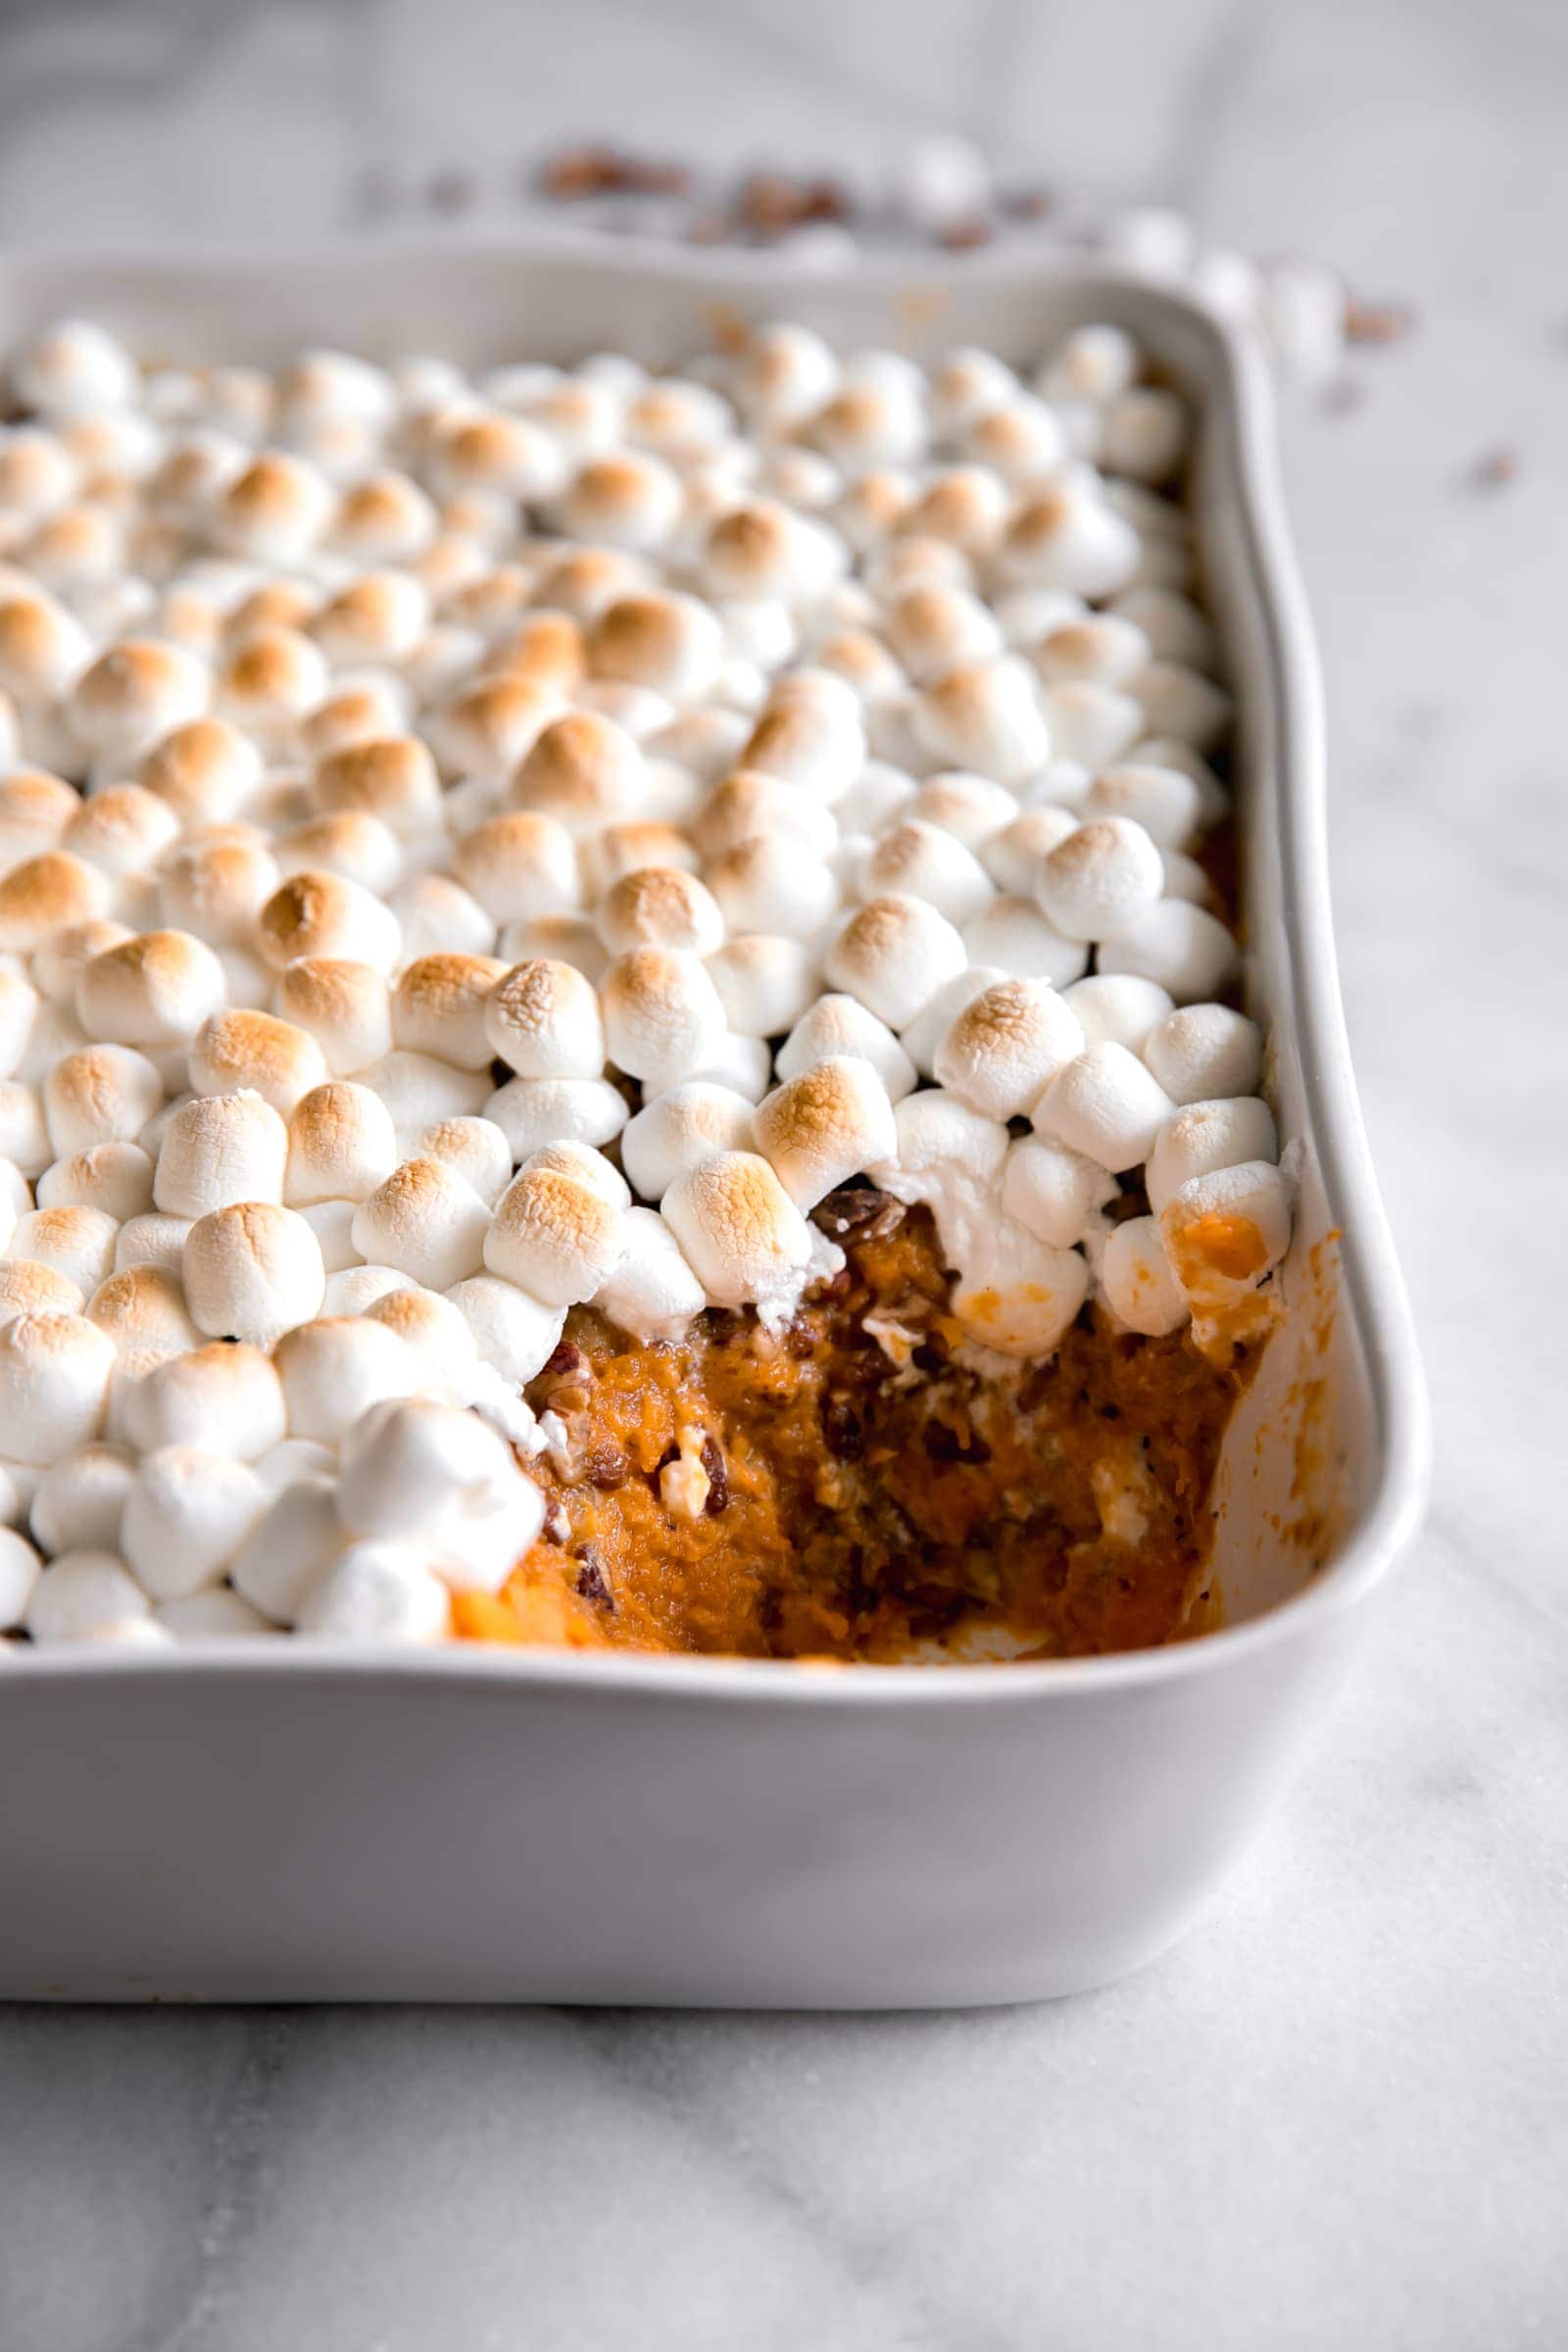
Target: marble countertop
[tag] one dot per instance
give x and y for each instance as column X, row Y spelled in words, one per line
column 1335, row 2116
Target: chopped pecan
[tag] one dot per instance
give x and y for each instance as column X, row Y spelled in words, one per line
column 858, row 1211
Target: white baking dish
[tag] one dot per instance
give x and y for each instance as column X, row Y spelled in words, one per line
column 285, row 1822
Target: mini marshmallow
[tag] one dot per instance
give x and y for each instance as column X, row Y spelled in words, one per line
column 923, row 860
column 418, row 1089
column 516, row 1335
column 433, row 1472
column 446, row 1360
column 1106, row 1106
column 631, row 501
column 828, row 1124
column 24, row 1136
column 837, row 1025
column 749, row 803
column 1119, row 1009
column 427, row 1220
column 19, row 1567
column 1054, row 1193
column 1223, row 1233
column 972, row 808
column 553, row 1235
column 341, row 1145
column 1183, row 947
column 1020, row 438
column 518, row 864
column 205, row 770
column 332, row 1371
column 1066, row 535
column 81, row 1502
column 438, row 916
column 542, row 1018
column 583, row 771
column 54, row 1380
column 122, row 829
column 677, row 1130
column 245, row 1049
column 1014, row 857
column 154, row 989
column 807, row 738
column 984, row 716
column 531, row 1113
column 84, row 1595
column 934, row 629
column 34, row 811
column 893, row 954
column 1090, row 723
column 46, row 893
column 1005, row 1046
column 366, row 707
column 275, row 510
column 1204, row 1136
column 215, row 889
column 486, row 728
column 115, row 1178
column 315, row 914
column 588, row 1166
column 742, row 1063
column 438, row 1008
column 557, row 939
column 28, row 1287
column 1015, row 1294
column 784, row 373
column 1172, row 626
column 662, row 1014
column 136, row 693
column 1146, row 434
column 764, row 981
column 1103, row 876
column 1204, row 1051
column 345, row 841
column 1181, row 704
column 342, row 1006
column 214, row 1614
column 251, row 1270
column 355, row 1290
column 151, row 1240
column 1012, row 934
column 665, row 907
column 867, row 424
column 375, row 1592
column 667, row 641
column 743, row 1236
column 77, row 1242
column 42, row 648
column 220, row 1398
column 185, row 1516
column 143, row 1306
column 653, row 1293
column 1167, row 803
column 99, row 1095
column 291, row 1546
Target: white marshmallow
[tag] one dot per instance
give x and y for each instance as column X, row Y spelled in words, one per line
column 290, row 1548
column 417, row 1090
column 1054, row 1193
column 77, row 1242
column 344, row 1006
column 784, row 373
column 1100, row 878
column 220, row 1398
column 1100, row 649
column 838, row 1025
column 1067, row 536
column 427, row 1220
column 252, row 1270
column 19, row 1567
column 1167, row 803
column 136, row 692
column 336, row 1369
column 23, row 1134
column 1146, row 433
column 54, row 1380
column 985, row 717
column 924, row 860
column 81, row 1502
column 153, row 990
column 1105, row 1105
column 1171, row 625
column 1204, row 1051
column 1183, row 947
column 1088, row 724
column 677, row 1130
column 520, row 864
column 375, row 1592
column 829, row 1124
column 516, row 1335
column 1204, row 1136
column 1181, row 704
column 214, row 1614
column 1223, row 1233
column 934, row 629
column 143, row 1306
column 438, row 1008
column 1119, row 1009
column 1014, row 857
column 631, row 500
column 1016, row 1294
column 748, row 803
column 474, row 1146
column 1005, row 1047
column 85, row 1595
column 218, row 1150
column 437, row 1474
column 971, row 809
column 769, row 883
column 29, row 1289
column 1094, row 363
column 293, row 1458
column 341, row 1145
column 333, row 1223
column 809, row 738
column 893, row 954
column 355, row 1290
column 652, row 1292
column 741, row 1233
column 45, row 893
column 100, row 1095
column 186, row 1514
column 1012, row 934
column 152, row 1240
column 663, row 1016
column 533, row 1112
column 742, row 1063
column 764, row 982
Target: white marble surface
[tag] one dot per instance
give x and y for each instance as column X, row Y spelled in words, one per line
column 1338, row 2117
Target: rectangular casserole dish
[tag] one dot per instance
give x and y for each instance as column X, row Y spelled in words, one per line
column 273, row 1823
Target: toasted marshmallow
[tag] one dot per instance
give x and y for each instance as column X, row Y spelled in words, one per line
column 1146, row 433
column 1223, row 1233
column 122, row 829
column 924, row 860
column 651, row 1293
column 1183, row 704
column 1092, row 362
column 807, row 738
column 43, row 647
column 417, row 1089
column 748, row 803
column 837, row 1025
column 343, row 1005
column 438, row 1008
column 276, row 510
column 335, row 1370
column 438, row 916
column 826, row 1125
column 85, row 1595
column 77, row 1242
column 769, row 882
column 246, row 1049
column 81, row 1502
column 156, row 1240
column 740, row 1231
column 1012, row 934
column 1183, row 947
column 99, row 1095
column 370, row 708
column 1014, row 856
column 315, row 914
column 967, row 505
column 143, row 1306
column 1171, row 625
column 984, row 716
column 29, row 1289
column 1067, row 536
column 186, row 1515
column 766, row 982
column 1204, row 1136
column 1054, row 1193
column 475, row 1148
column 434, row 1331
column 341, row 1145
column 37, row 472
column 662, row 1014
column 1005, row 1046
column 494, row 453
column 1167, row 803
column 251, row 1270
column 669, row 642
column 427, row 1220
column 205, row 769
column 222, row 1399
column 621, row 850
column 344, row 842
column 520, row 864
column 516, row 1335
column 54, row 1380
column 1119, row 1009
column 1021, row 439
column 630, row 500
column 115, row 1178
column 548, row 648
column 758, row 548
column 216, row 888
column 893, row 954
column 1103, row 878
column 1106, row 1106
column 383, row 518
column 934, row 629
column 676, row 1131
column 34, row 811
column 291, row 1546
column 390, row 777
column 356, row 1289
column 136, row 693
column 46, row 894
column 559, row 939
column 1102, row 649
column 542, row 1018
column 662, row 906
column 532, row 1112
column 554, row 1235
column 583, row 771
column 1204, row 1051
column 485, row 728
